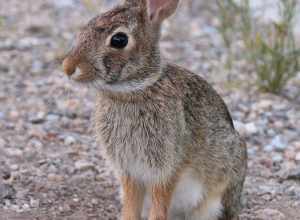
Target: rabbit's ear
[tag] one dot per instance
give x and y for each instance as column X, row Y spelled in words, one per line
column 159, row 10
column 139, row 3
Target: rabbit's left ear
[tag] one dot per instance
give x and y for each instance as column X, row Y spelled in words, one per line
column 159, row 10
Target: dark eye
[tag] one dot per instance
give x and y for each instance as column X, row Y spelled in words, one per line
column 119, row 41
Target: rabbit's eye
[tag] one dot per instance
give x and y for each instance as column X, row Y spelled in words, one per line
column 119, row 41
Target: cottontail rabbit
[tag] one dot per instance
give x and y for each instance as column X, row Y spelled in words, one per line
column 166, row 131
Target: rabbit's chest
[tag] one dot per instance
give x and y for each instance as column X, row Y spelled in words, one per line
column 139, row 141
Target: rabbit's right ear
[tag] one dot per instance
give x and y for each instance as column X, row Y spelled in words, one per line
column 157, row 10
column 136, row 3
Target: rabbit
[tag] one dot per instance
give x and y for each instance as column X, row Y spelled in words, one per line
column 166, row 132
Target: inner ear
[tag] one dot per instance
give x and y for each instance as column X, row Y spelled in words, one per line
column 161, row 9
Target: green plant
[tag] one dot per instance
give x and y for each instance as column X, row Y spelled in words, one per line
column 270, row 48
column 90, row 5
column 228, row 16
column 1, row 21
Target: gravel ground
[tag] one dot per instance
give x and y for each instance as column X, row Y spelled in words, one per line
column 50, row 166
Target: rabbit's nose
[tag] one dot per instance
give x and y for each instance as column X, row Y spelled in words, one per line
column 70, row 65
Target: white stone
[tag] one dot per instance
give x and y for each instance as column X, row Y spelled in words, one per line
column 251, row 128
column 264, row 214
column 70, row 140
column 297, row 158
column 83, row 165
column 13, row 152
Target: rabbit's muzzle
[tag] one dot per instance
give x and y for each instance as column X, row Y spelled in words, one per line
column 70, row 65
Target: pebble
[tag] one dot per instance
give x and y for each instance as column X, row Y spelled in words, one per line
column 13, row 152
column 263, row 104
column 38, row 118
column 264, row 214
column 55, row 177
column 35, row 203
column 37, row 66
column 2, row 143
column 69, row 140
column 279, row 143
column 53, row 117
column 64, row 3
column 2, row 115
column 95, row 201
column 293, row 174
column 6, row 192
column 269, row 148
column 83, row 165
column 14, row 167
column 36, row 143
column 277, row 158
column 251, row 128
column 297, row 157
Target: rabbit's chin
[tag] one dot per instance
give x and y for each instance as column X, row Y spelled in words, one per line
column 126, row 86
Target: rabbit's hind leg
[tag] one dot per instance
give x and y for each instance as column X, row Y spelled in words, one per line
column 210, row 209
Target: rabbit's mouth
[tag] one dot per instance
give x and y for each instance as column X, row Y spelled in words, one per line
column 91, row 73
column 83, row 76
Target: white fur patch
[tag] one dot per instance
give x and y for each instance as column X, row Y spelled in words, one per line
column 188, row 194
column 211, row 210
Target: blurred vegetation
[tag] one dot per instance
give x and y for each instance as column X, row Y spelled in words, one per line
column 1, row 22
column 91, row 5
column 270, row 48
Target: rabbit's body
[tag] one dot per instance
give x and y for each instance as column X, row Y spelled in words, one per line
column 166, row 131
column 178, row 124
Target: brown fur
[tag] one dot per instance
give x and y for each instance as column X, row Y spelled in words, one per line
column 154, row 118
column 132, row 199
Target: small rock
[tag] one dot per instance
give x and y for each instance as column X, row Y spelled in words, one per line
column 69, row 140
column 83, row 165
column 2, row 115
column 55, row 178
column 297, row 157
column 37, row 66
column 6, row 192
column 64, row 3
column 14, row 167
column 38, row 118
column 94, row 201
column 53, row 117
column 34, row 203
column 2, row 143
column 251, row 151
column 269, row 148
column 13, row 152
column 251, row 128
column 279, row 143
column 277, row 158
column 264, row 214
column 25, row 207
column 36, row 143
column 6, row 175
column 294, row 174
column 76, row 200
column 263, row 104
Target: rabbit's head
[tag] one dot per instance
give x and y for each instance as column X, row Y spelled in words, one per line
column 118, row 50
